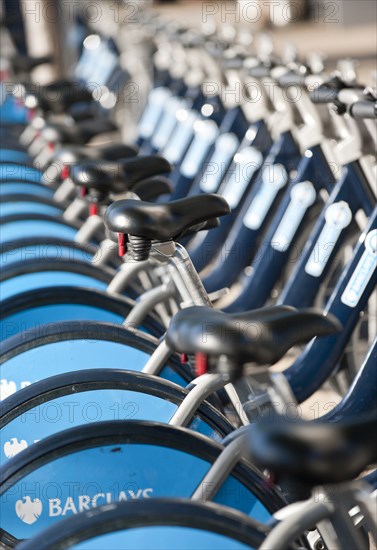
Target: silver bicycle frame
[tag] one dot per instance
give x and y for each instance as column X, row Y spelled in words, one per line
column 329, row 510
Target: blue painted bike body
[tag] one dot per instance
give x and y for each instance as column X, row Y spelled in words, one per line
column 262, row 199
column 348, row 300
column 314, row 174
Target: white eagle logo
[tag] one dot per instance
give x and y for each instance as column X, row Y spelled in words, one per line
column 7, row 388
column 13, row 447
column 28, row 510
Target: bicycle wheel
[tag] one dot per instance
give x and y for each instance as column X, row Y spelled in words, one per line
column 82, row 397
column 9, row 188
column 56, row 348
column 169, row 524
column 16, row 172
column 48, row 249
column 13, row 228
column 11, row 155
column 30, row 275
column 30, row 310
column 107, row 462
column 29, row 204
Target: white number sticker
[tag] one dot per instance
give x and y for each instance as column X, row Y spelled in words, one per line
column 156, row 102
column 165, row 128
column 303, row 195
column 225, row 148
column 274, row 178
column 181, row 136
column 338, row 216
column 246, row 163
column 206, row 131
column 363, row 272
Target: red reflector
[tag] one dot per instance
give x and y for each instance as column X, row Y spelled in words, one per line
column 93, row 209
column 64, row 174
column 201, row 364
column 31, row 114
column 83, row 191
column 184, row 358
column 121, row 245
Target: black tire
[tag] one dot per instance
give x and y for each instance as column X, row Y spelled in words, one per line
column 117, row 433
column 82, row 330
column 41, row 243
column 73, row 383
column 160, row 512
column 57, row 296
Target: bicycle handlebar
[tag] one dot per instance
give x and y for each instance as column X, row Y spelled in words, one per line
column 325, row 93
column 292, row 78
column 364, row 109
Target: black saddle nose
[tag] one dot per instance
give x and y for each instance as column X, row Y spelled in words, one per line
column 118, row 176
column 259, row 336
column 317, row 452
column 163, row 222
column 72, row 155
column 25, row 63
column 78, row 134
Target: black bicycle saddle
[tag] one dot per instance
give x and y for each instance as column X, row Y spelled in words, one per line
column 205, row 226
column 260, row 336
column 76, row 154
column 78, row 134
column 163, row 222
column 25, row 63
column 118, row 176
column 58, row 96
column 315, row 453
column 151, row 188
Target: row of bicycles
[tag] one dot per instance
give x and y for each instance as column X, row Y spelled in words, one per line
column 168, row 305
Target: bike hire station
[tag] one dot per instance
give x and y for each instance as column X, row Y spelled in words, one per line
column 188, row 248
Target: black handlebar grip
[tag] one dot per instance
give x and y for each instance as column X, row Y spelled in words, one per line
column 291, row 78
column 234, row 63
column 324, row 94
column 259, row 71
column 25, row 63
column 364, row 109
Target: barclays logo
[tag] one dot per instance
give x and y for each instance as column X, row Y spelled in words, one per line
column 57, row 507
column 13, row 447
column 7, row 388
column 28, row 510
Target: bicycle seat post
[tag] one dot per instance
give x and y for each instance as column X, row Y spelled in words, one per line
column 188, row 284
column 184, row 273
